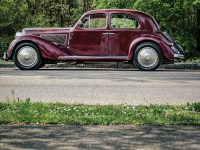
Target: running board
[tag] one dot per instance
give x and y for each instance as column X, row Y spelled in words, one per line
column 77, row 58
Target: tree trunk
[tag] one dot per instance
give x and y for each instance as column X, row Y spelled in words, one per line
column 198, row 30
column 69, row 12
column 61, row 16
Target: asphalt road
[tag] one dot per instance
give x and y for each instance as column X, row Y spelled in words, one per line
column 101, row 86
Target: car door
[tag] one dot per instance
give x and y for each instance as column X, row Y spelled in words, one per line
column 124, row 28
column 89, row 37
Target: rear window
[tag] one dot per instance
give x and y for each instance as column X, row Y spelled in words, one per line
column 123, row 21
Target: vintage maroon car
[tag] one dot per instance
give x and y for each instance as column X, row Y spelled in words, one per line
column 99, row 35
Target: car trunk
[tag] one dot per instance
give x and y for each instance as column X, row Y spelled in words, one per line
column 171, row 40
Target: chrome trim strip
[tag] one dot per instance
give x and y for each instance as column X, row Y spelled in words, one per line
column 108, row 33
column 93, row 57
column 39, row 28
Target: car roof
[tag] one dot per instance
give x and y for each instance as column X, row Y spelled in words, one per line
column 146, row 21
column 118, row 10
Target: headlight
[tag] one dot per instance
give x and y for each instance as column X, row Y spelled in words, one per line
column 18, row 34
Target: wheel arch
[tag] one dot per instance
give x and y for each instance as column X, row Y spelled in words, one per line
column 134, row 45
column 48, row 50
column 163, row 48
column 24, row 41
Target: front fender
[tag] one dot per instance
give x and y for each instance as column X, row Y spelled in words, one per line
column 165, row 47
column 48, row 50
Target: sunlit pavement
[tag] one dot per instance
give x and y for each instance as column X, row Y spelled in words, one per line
column 101, row 86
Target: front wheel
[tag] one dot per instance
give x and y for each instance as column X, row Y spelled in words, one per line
column 27, row 57
column 147, row 56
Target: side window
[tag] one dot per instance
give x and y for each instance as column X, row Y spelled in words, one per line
column 123, row 21
column 94, row 21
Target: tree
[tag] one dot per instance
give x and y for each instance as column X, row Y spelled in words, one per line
column 178, row 18
column 181, row 18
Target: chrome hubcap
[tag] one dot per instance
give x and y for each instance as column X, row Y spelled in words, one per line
column 148, row 57
column 27, row 56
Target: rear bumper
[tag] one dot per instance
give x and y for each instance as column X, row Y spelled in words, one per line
column 176, row 50
column 178, row 53
column 178, row 57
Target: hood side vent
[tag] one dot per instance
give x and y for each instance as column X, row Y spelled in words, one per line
column 54, row 38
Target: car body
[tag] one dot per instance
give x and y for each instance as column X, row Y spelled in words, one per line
column 99, row 35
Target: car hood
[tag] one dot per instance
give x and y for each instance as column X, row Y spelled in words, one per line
column 44, row 30
column 54, row 35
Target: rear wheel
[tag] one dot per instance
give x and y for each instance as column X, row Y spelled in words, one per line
column 147, row 56
column 27, row 57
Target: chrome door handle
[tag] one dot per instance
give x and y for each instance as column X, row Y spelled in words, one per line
column 108, row 33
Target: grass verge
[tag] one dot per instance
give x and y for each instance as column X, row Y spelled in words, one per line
column 193, row 60
column 1, row 61
column 26, row 112
column 5, row 62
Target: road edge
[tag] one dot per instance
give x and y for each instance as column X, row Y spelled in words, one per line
column 115, row 65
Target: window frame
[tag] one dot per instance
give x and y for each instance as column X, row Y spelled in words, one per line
column 134, row 17
column 106, row 20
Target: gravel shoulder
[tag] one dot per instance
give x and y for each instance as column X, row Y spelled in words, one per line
column 114, row 65
column 52, row 137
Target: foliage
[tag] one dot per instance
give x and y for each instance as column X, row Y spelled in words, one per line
column 42, row 113
column 4, row 42
column 122, row 4
column 123, row 21
column 178, row 17
column 195, row 59
column 181, row 18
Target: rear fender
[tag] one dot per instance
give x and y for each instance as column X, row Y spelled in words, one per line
column 166, row 50
column 48, row 50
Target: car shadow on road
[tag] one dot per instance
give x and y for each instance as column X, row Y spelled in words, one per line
column 113, row 69
column 99, row 137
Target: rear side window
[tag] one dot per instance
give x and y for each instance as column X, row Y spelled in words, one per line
column 94, row 21
column 123, row 21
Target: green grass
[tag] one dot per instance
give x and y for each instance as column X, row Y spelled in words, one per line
column 193, row 60
column 26, row 112
column 1, row 61
column 6, row 62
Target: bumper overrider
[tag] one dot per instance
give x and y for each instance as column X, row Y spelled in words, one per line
column 5, row 56
column 179, row 55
